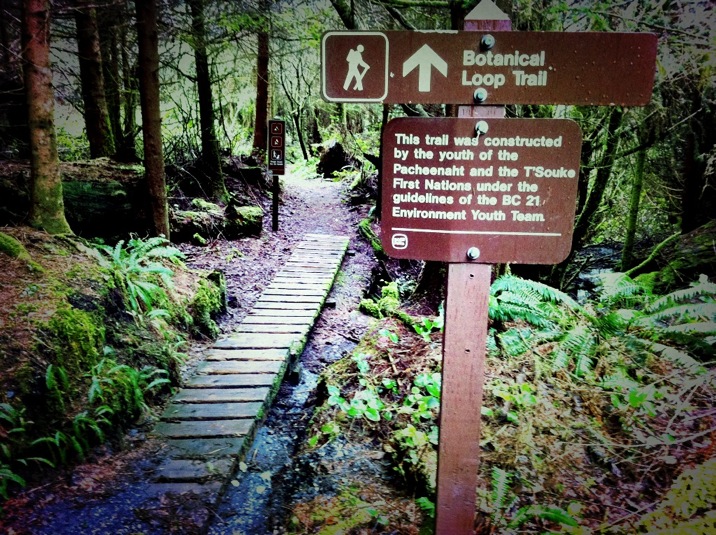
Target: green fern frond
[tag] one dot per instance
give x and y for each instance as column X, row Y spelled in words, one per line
column 501, row 494
column 514, row 284
column 675, row 355
column 611, row 324
column 704, row 290
column 705, row 327
column 681, row 313
column 618, row 287
column 579, row 346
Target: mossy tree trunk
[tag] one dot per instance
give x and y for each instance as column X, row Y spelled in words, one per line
column 148, row 40
column 214, row 181
column 47, row 208
column 627, row 260
column 99, row 132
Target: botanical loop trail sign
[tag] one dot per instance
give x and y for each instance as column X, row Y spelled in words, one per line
column 504, row 189
column 465, row 67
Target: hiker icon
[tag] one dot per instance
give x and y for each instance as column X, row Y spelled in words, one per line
column 355, row 63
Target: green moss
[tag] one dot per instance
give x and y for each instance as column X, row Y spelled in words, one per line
column 387, row 306
column 209, row 300
column 75, row 338
column 367, row 232
column 13, row 248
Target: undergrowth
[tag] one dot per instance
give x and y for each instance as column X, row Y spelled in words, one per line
column 593, row 413
column 107, row 347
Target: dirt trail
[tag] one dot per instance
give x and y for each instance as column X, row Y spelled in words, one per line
column 104, row 495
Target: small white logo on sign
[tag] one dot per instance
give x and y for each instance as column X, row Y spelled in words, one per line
column 399, row 241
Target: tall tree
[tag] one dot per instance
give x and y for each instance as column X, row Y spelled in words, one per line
column 99, row 133
column 210, row 157
column 148, row 41
column 47, row 209
column 262, row 80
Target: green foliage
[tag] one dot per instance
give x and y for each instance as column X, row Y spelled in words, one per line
column 140, row 273
column 75, row 339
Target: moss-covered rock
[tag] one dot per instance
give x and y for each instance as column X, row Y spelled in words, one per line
column 243, row 221
column 13, row 248
column 209, row 301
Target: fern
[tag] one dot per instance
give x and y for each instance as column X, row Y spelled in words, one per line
column 579, row 345
column 137, row 269
column 502, row 497
column 619, row 288
column 703, row 291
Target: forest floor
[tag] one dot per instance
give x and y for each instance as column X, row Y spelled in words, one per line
column 553, row 438
column 96, row 496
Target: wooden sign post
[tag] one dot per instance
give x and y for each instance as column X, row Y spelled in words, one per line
column 479, row 189
column 276, row 163
column 464, row 355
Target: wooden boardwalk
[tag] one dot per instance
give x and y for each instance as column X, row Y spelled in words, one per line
column 209, row 423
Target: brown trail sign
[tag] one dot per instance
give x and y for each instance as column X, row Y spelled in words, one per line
column 491, row 190
column 502, row 67
column 446, row 197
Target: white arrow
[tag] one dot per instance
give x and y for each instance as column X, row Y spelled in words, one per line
column 424, row 59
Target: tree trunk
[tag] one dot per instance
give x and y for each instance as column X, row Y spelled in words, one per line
column 214, row 181
column 297, row 123
column 99, row 133
column 127, row 150
column 148, row 41
column 604, row 171
column 107, row 19
column 634, row 201
column 47, row 207
column 262, row 85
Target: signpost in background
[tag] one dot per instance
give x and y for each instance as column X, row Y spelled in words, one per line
column 480, row 189
column 276, row 163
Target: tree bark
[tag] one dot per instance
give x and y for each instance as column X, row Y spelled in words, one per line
column 594, row 198
column 47, row 207
column 262, row 85
column 107, row 22
column 634, row 201
column 99, row 133
column 148, row 40
column 214, row 181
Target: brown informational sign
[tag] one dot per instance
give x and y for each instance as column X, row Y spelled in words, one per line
column 585, row 68
column 277, row 146
column 483, row 190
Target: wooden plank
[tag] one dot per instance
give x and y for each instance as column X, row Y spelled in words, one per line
column 261, row 304
column 220, row 395
column 276, row 318
column 202, row 448
column 256, row 341
column 209, row 491
column 280, row 328
column 189, row 470
column 279, row 313
column 230, row 367
column 244, row 384
column 218, row 428
column 307, row 292
column 272, row 354
column 212, row 411
column 247, row 354
column 288, row 298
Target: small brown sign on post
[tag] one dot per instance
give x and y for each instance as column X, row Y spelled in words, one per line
column 486, row 190
column 496, row 67
column 277, row 146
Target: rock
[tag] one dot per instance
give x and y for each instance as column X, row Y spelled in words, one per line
column 243, row 221
column 334, row 159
